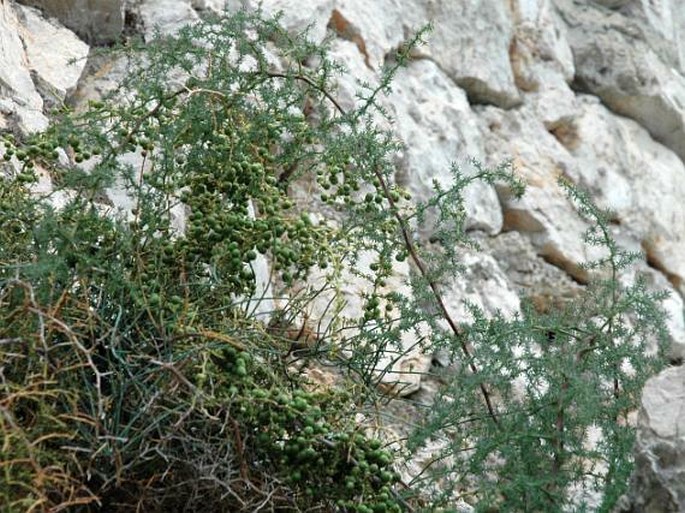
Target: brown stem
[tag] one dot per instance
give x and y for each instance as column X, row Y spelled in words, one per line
column 458, row 332
column 312, row 84
column 411, row 248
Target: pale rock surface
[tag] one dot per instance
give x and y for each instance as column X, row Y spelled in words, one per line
column 95, row 21
column 544, row 213
column 44, row 188
column 530, row 275
column 638, row 178
column 22, row 104
column 434, row 120
column 334, row 311
column 216, row 6
column 542, row 61
column 612, row 4
column 673, row 306
column 663, row 23
column 165, row 16
column 348, row 84
column 470, row 41
column 616, row 59
column 539, row 44
column 482, row 284
column 313, row 15
column 102, row 75
column 659, row 480
column 55, row 55
column 377, row 27
column 471, row 44
column 553, row 103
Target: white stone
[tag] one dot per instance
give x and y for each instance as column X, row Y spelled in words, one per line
column 544, row 213
column 96, row 21
column 55, row 54
column 338, row 305
column 102, row 75
column 539, row 43
column 659, row 479
column 482, row 284
column 356, row 72
column 673, row 306
column 16, row 85
column 216, row 6
column 470, row 43
column 165, row 16
column 622, row 61
column 665, row 20
column 662, row 406
column 470, row 40
column 434, row 120
column 554, row 103
column 638, row 178
column 313, row 15
column 376, row 27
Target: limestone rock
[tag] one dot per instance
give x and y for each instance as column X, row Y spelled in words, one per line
column 314, row 15
column 612, row 4
column 482, row 284
column 659, row 479
column 638, row 178
column 56, row 57
column 334, row 313
column 621, row 61
column 471, row 45
column 546, row 285
column 22, row 105
column 544, row 213
column 216, row 6
column 102, row 75
column 356, row 72
column 673, row 306
column 539, row 44
column 663, row 23
column 95, row 21
column 434, row 120
column 553, row 103
column 165, row 16
column 542, row 61
column 378, row 27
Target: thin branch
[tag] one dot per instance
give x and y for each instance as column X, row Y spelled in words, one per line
column 418, row 262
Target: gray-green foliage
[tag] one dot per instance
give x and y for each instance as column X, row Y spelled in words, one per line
column 134, row 379
column 139, row 354
column 563, row 384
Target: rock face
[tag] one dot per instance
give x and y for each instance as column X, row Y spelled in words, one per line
column 96, row 21
column 434, row 112
column 56, row 56
column 20, row 103
column 36, row 68
column 659, row 483
column 592, row 91
column 624, row 57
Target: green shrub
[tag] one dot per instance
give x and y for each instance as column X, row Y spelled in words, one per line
column 558, row 434
column 133, row 375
